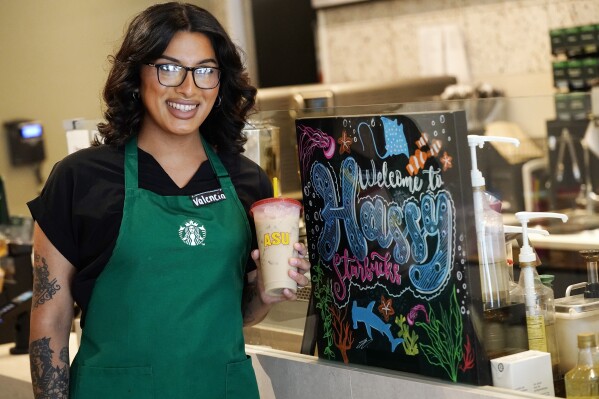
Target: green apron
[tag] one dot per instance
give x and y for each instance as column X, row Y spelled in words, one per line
column 164, row 320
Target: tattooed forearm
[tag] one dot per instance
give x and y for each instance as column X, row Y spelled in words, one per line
column 49, row 381
column 250, row 291
column 44, row 289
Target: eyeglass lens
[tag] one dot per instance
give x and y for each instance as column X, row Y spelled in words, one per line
column 174, row 75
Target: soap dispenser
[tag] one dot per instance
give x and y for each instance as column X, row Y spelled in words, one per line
column 515, row 324
column 537, row 297
column 490, row 236
column 512, row 233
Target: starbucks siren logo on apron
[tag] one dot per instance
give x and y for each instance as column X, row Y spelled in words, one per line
column 192, row 234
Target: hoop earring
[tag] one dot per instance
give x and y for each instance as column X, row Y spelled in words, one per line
column 220, row 100
column 135, row 95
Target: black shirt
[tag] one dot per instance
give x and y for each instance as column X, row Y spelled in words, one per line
column 81, row 205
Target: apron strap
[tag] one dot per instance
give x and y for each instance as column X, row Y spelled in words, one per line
column 219, row 169
column 131, row 169
column 131, row 176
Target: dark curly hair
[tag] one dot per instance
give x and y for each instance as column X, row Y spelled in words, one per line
column 146, row 39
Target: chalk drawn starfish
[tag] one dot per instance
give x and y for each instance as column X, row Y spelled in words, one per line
column 446, row 160
column 345, row 142
column 385, row 308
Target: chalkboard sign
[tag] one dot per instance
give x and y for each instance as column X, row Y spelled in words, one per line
column 386, row 206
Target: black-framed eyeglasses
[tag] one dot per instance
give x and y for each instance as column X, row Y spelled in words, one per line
column 173, row 75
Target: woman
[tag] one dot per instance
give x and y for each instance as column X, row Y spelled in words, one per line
column 159, row 277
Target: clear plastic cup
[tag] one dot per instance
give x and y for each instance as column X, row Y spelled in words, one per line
column 277, row 229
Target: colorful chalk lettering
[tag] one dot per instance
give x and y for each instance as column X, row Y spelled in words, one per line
column 386, row 208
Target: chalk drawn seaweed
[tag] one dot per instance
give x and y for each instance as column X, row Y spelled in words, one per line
column 445, row 335
column 323, row 296
column 344, row 337
column 409, row 344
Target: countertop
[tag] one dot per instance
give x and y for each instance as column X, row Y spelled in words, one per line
column 587, row 239
column 294, row 376
column 584, row 239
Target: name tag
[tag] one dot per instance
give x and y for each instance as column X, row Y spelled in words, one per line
column 208, row 197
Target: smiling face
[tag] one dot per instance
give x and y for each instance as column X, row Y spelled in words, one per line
column 178, row 110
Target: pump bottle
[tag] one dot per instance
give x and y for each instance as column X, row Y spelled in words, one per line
column 583, row 380
column 516, row 325
column 538, row 298
column 490, row 236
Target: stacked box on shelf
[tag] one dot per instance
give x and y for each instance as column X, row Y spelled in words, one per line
column 560, row 76
column 572, row 39
column 558, row 44
column 575, row 41
column 590, row 71
column 575, row 69
column 572, row 106
column 589, row 38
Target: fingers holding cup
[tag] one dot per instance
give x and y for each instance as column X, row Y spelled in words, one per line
column 301, row 264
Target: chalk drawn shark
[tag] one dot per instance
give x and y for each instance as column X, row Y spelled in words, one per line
column 370, row 320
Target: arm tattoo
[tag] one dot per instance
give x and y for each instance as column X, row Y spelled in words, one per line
column 44, row 289
column 49, row 381
column 250, row 291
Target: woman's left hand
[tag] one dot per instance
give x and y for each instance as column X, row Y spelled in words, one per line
column 300, row 262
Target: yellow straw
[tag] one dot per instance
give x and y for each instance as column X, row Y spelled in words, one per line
column 275, row 187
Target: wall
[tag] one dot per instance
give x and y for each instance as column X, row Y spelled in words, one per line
column 54, row 64
column 507, row 41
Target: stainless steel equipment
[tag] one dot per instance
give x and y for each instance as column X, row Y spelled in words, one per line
column 263, row 147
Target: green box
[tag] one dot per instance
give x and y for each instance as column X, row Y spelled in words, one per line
column 560, row 75
column 590, row 70
column 580, row 106
column 562, row 107
column 558, row 41
column 576, row 79
column 588, row 39
column 572, row 40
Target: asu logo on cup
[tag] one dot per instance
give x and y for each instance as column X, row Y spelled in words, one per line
column 276, row 238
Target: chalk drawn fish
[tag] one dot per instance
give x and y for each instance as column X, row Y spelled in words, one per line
column 395, row 138
column 370, row 320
